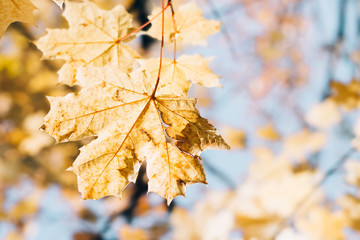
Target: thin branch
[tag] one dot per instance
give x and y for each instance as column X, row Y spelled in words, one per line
column 144, row 25
column 220, row 175
column 175, row 27
column 335, row 49
column 224, row 29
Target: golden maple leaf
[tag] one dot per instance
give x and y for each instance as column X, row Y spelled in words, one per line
column 321, row 223
column 95, row 37
column 267, row 196
column 15, row 10
column 268, row 132
column 235, row 137
column 129, row 233
column 353, row 172
column 299, row 145
column 194, row 68
column 346, row 95
column 324, row 115
column 135, row 120
column 351, row 208
column 191, row 27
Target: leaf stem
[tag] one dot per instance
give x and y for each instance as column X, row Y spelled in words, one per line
column 162, row 45
column 144, row 25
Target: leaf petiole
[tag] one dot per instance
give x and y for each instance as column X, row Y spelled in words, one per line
column 144, row 25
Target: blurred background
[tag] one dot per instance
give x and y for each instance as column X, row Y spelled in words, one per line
column 288, row 108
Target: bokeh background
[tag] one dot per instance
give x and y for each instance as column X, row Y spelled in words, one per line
column 288, row 108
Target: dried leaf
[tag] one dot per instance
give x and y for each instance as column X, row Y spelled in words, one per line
column 353, row 172
column 268, row 195
column 299, row 145
column 132, row 126
column 351, row 208
column 324, row 115
column 192, row 28
column 210, row 220
column 94, row 38
column 129, row 233
column 27, row 206
column 12, row 11
column 322, row 224
column 346, row 95
column 235, row 137
column 181, row 72
column 268, row 132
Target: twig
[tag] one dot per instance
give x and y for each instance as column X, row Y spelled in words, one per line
column 224, row 29
column 335, row 48
column 223, row 177
column 175, row 26
column 144, row 25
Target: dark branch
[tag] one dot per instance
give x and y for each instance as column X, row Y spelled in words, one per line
column 223, row 177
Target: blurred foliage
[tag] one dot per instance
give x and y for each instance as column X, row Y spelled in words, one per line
column 281, row 196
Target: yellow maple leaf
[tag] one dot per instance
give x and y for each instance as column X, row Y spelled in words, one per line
column 268, row 132
column 346, row 95
column 191, row 27
column 299, row 145
column 320, row 223
column 15, row 10
column 351, row 207
column 127, row 233
column 271, row 46
column 324, row 115
column 27, row 206
column 95, row 37
column 267, row 196
column 235, row 137
column 211, row 218
column 180, row 72
column 353, row 172
column 134, row 122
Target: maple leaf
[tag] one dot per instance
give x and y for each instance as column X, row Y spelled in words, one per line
column 324, row 115
column 268, row 132
column 267, row 195
column 95, row 37
column 235, row 137
column 128, row 233
column 12, row 11
column 194, row 68
column 351, row 209
column 134, row 122
column 353, row 172
column 346, row 95
column 299, row 145
column 191, row 27
column 321, row 223
column 211, row 219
